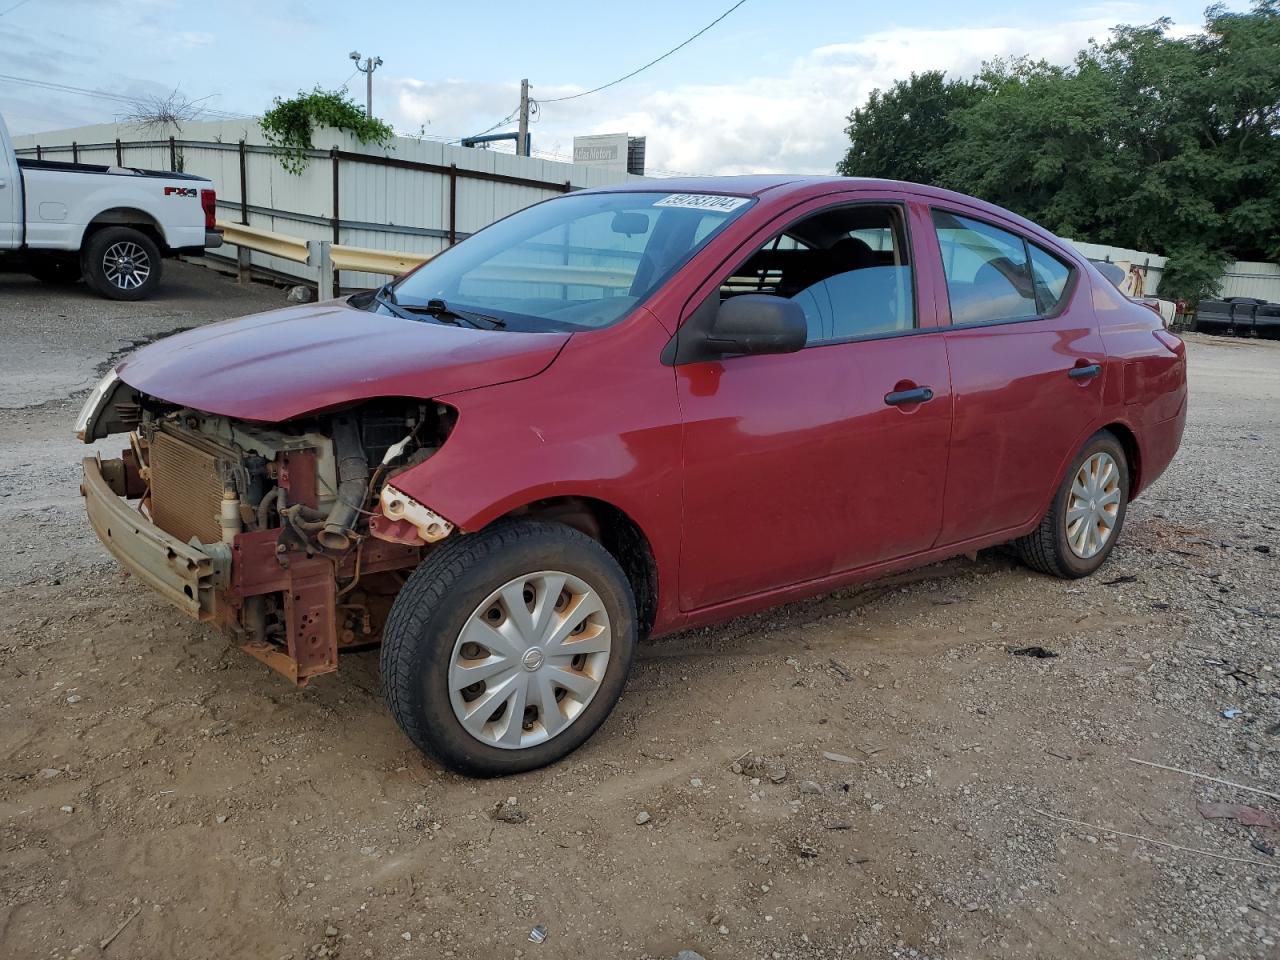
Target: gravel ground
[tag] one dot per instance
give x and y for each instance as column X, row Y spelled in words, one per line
column 867, row 774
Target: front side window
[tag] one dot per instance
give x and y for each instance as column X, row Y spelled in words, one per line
column 574, row 263
column 848, row 268
column 986, row 268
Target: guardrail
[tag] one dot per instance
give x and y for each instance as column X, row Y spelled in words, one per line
column 373, row 261
column 266, row 241
column 324, row 255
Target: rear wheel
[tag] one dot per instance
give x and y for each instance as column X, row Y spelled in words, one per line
column 1084, row 521
column 55, row 270
column 121, row 263
column 506, row 649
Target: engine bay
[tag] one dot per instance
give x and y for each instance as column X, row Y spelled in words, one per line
column 284, row 511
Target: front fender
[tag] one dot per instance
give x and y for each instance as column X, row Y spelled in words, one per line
column 601, row 422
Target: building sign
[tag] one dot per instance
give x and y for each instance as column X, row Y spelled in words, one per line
column 594, row 153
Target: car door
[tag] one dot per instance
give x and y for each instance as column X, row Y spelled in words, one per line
column 800, row 466
column 10, row 195
column 1027, row 365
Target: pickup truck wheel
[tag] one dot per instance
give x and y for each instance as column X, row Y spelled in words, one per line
column 121, row 263
column 1084, row 521
column 507, row 648
column 56, row 271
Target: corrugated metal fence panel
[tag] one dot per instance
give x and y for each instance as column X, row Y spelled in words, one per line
column 1151, row 265
column 1102, row 251
column 384, row 207
column 1243, row 278
column 1247, row 278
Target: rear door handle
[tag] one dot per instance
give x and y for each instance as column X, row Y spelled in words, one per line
column 1085, row 373
column 900, row 398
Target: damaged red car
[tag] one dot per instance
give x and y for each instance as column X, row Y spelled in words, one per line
column 623, row 412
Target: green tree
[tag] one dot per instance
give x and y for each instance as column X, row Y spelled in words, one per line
column 901, row 134
column 1152, row 141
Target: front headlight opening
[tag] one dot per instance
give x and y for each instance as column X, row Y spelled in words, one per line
column 93, row 404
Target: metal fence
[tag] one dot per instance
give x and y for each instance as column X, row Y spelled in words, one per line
column 413, row 196
column 1243, row 278
column 1247, row 278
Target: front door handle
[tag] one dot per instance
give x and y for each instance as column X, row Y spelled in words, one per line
column 1085, row 373
column 899, row 398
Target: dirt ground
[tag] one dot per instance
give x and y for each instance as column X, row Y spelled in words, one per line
column 165, row 796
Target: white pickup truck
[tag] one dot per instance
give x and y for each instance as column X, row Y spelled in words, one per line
column 110, row 225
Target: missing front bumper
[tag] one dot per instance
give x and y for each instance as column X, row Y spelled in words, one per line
column 185, row 575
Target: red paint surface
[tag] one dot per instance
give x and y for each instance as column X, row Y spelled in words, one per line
column 755, row 479
column 276, row 366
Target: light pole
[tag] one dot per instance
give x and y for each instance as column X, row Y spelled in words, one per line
column 371, row 64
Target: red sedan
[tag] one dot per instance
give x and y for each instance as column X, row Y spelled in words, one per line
column 625, row 412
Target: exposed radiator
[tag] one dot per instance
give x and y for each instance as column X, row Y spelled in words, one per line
column 186, row 488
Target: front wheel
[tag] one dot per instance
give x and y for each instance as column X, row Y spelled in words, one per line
column 121, row 263
column 1084, row 521
column 506, row 649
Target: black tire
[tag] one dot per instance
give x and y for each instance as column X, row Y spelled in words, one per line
column 115, row 277
column 427, row 618
column 55, row 270
column 1047, row 549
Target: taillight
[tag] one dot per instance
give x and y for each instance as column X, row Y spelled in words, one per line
column 209, row 201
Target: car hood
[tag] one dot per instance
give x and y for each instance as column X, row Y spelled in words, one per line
column 275, row 366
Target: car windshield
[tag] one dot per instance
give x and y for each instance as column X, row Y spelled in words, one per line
column 578, row 262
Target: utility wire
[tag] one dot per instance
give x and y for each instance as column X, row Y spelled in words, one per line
column 14, row 7
column 505, row 120
column 103, row 95
column 611, row 83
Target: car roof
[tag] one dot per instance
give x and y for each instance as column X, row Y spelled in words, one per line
column 758, row 184
column 776, row 186
column 749, row 185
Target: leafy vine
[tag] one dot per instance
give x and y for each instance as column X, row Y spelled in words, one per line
column 288, row 125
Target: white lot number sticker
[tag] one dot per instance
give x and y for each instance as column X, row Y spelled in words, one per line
column 702, row 201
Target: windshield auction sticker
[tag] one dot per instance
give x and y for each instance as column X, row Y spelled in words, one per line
column 702, row 201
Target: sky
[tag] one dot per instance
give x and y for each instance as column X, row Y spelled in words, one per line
column 768, row 89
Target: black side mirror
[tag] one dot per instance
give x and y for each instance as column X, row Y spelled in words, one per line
column 757, row 323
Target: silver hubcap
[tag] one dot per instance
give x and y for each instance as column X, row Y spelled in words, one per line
column 1093, row 505
column 126, row 265
column 529, row 660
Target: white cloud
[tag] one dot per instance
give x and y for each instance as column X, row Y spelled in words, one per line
column 790, row 122
column 449, row 108
column 195, row 39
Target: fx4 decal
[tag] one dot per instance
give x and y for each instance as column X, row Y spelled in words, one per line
column 180, row 191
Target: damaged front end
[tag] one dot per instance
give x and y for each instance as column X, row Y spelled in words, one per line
column 290, row 537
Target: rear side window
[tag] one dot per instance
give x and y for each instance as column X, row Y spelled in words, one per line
column 988, row 277
column 1051, row 276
